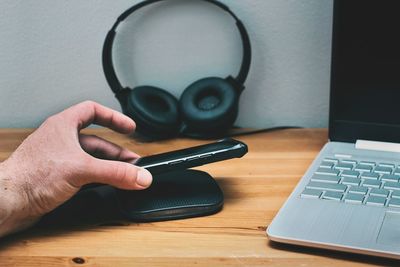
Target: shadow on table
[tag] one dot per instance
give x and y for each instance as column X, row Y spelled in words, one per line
column 96, row 206
column 83, row 212
column 337, row 255
column 231, row 193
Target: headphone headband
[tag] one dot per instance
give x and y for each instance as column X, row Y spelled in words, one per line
column 107, row 61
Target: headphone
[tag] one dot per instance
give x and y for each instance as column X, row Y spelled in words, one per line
column 207, row 108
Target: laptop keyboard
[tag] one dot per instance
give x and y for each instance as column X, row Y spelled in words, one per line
column 357, row 182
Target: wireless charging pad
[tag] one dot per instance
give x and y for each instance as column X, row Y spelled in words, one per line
column 174, row 195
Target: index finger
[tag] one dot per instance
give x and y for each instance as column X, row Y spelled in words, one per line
column 88, row 112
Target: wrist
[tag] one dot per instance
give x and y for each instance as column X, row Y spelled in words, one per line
column 14, row 215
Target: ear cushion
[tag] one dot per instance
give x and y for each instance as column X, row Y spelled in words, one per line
column 209, row 105
column 154, row 110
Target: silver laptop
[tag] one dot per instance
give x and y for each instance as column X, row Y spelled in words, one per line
column 349, row 199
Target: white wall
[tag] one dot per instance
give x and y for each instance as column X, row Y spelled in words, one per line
column 50, row 55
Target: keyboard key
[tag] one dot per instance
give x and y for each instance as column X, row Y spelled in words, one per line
column 376, row 201
column 354, row 198
column 389, row 165
column 335, row 161
column 370, row 163
column 379, row 192
column 397, row 171
column 332, row 195
column 392, row 186
column 363, row 168
column 325, row 178
column 396, row 194
column 348, row 173
column 372, row 183
column 394, row 202
column 327, row 186
column 327, row 164
column 344, row 166
column 370, row 175
column 351, row 181
column 311, row 193
column 383, row 169
column 349, row 161
column 324, row 171
column 358, row 190
column 390, row 177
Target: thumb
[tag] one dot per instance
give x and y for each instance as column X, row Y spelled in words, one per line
column 119, row 174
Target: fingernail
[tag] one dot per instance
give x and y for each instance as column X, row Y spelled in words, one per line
column 144, row 178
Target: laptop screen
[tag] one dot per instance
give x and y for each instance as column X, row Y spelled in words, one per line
column 365, row 74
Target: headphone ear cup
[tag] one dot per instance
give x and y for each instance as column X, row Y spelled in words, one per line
column 209, row 106
column 154, row 110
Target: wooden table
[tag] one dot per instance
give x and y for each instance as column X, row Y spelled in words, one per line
column 255, row 187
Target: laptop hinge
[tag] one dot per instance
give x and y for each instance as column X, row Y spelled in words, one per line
column 378, row 146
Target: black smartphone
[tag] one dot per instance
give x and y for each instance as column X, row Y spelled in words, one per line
column 189, row 157
column 193, row 156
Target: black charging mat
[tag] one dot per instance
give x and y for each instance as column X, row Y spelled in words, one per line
column 174, row 195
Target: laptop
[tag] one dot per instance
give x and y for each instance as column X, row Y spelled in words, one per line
column 349, row 198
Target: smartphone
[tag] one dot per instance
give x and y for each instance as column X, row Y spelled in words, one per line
column 193, row 156
column 189, row 157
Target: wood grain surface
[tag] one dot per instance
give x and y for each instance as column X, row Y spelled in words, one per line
column 255, row 187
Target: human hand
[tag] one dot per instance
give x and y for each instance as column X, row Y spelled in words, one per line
column 52, row 164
